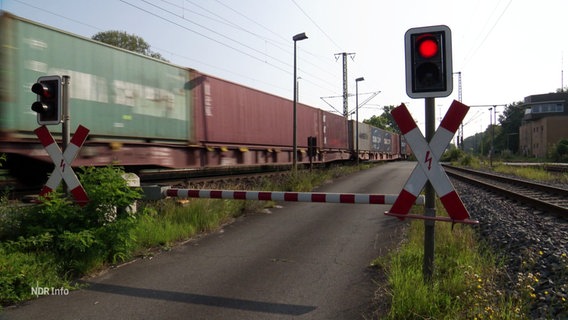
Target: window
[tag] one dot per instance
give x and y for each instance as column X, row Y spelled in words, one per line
column 547, row 108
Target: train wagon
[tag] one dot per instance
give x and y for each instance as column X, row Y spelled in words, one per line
column 374, row 143
column 385, row 144
column 130, row 111
column 396, row 147
column 365, row 139
column 242, row 125
column 335, row 140
column 147, row 113
column 143, row 112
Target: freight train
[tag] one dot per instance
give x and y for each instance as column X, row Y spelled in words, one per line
column 147, row 113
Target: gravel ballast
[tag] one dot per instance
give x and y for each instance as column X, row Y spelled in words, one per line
column 533, row 246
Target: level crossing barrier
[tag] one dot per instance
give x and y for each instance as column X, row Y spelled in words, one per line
column 160, row 192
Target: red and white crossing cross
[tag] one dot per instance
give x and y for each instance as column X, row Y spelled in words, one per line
column 428, row 167
column 63, row 162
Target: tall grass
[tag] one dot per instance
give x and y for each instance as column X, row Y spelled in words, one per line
column 465, row 283
column 170, row 221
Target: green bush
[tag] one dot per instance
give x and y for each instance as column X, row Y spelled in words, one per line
column 561, row 151
column 43, row 245
column 470, row 161
column 452, row 155
column 82, row 238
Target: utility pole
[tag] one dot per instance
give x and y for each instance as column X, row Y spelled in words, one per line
column 345, row 91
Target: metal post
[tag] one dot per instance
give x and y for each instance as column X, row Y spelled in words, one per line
column 66, row 138
column 345, row 94
column 430, row 198
column 357, row 121
column 298, row 37
column 357, row 117
column 493, row 123
column 345, row 86
column 491, row 147
column 294, row 142
column 65, row 105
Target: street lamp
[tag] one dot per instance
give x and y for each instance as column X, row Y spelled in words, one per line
column 298, row 37
column 357, row 117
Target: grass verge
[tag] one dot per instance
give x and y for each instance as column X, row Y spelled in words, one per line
column 169, row 221
column 537, row 173
column 465, row 284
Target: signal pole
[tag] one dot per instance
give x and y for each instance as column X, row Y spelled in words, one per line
column 65, row 106
column 428, row 64
column 429, row 197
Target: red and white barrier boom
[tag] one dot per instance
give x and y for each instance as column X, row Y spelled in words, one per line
column 428, row 167
column 62, row 161
column 156, row 192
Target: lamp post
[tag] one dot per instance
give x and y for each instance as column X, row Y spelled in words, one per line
column 492, row 136
column 357, row 117
column 298, row 37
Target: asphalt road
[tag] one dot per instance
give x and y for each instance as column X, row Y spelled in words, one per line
column 301, row 261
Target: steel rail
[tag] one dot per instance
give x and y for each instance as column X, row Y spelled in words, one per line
column 511, row 188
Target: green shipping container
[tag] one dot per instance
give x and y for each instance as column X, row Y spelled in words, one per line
column 117, row 94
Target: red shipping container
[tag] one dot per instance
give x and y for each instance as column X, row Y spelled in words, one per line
column 395, row 153
column 335, row 131
column 231, row 114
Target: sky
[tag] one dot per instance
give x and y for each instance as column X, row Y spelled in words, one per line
column 505, row 50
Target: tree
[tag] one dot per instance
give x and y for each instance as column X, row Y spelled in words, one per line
column 561, row 154
column 128, row 42
column 510, row 120
column 384, row 121
column 377, row 121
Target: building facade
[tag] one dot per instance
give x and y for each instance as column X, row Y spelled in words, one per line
column 544, row 124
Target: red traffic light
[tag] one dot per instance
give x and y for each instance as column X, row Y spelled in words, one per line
column 428, row 62
column 428, row 47
column 41, row 90
column 48, row 104
column 43, row 94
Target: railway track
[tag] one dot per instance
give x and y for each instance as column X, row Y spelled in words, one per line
column 553, row 200
column 196, row 178
column 550, row 167
column 204, row 174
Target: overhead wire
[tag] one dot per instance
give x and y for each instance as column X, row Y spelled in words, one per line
column 235, row 41
column 160, row 49
column 56, row 14
column 222, row 43
column 317, row 26
column 472, row 52
column 284, row 43
column 286, row 70
column 222, row 20
column 211, row 38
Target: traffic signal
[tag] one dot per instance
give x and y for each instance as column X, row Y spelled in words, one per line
column 428, row 54
column 49, row 96
column 312, row 146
